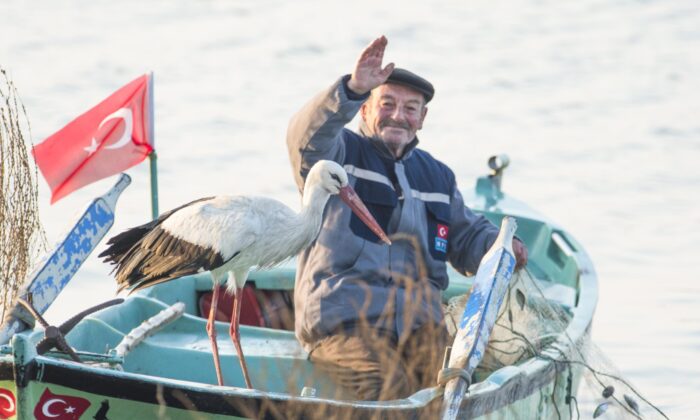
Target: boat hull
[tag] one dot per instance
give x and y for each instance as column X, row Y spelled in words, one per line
column 539, row 391
column 169, row 375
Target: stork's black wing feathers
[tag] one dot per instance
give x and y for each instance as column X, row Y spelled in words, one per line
column 160, row 257
column 120, row 244
column 147, row 254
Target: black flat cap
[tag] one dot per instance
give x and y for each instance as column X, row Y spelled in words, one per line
column 412, row 80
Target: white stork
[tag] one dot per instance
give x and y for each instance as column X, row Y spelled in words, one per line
column 227, row 236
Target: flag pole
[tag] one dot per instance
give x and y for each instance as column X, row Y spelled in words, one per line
column 153, row 157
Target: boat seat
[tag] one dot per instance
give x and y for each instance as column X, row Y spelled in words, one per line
column 259, row 308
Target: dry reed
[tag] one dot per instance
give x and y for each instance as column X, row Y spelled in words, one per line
column 22, row 236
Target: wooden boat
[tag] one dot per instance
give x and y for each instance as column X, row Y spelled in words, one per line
column 169, row 374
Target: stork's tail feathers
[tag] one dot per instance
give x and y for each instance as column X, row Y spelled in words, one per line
column 119, row 245
column 120, row 251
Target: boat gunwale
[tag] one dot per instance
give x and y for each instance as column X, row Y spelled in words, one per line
column 517, row 382
column 576, row 332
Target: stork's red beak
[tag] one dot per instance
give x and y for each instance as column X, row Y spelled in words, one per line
column 350, row 197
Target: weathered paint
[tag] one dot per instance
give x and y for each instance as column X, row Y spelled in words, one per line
column 490, row 284
column 53, row 275
column 481, row 311
column 69, row 255
column 59, row 266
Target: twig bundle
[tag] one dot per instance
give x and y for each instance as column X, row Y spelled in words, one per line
column 22, row 236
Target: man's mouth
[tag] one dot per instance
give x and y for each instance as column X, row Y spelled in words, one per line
column 393, row 124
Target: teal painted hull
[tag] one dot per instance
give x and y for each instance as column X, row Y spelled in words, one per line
column 171, row 374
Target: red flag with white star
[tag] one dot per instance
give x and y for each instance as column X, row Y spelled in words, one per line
column 60, row 407
column 109, row 138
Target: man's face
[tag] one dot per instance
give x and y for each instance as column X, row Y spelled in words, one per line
column 394, row 113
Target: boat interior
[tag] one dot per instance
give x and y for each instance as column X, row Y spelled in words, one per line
column 276, row 361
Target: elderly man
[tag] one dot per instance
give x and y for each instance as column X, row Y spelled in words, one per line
column 368, row 313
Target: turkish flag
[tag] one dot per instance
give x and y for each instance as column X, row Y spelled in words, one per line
column 442, row 231
column 60, row 407
column 8, row 404
column 111, row 137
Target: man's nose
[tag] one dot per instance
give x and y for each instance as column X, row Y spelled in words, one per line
column 398, row 114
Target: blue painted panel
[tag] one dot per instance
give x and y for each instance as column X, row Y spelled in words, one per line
column 70, row 254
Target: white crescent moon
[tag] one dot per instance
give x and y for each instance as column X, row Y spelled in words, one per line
column 48, row 404
column 11, row 404
column 126, row 115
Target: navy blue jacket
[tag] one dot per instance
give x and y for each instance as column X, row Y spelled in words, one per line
column 347, row 275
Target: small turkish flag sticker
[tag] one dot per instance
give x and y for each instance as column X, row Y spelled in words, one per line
column 60, row 407
column 8, row 404
column 442, row 231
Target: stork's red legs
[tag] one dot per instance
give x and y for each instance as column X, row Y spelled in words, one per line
column 235, row 335
column 211, row 331
column 233, row 331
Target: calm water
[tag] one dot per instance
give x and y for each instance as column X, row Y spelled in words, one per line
column 596, row 102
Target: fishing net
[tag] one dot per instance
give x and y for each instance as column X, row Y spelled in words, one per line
column 22, row 237
column 532, row 323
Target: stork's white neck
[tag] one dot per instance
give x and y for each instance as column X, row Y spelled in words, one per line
column 289, row 234
column 313, row 203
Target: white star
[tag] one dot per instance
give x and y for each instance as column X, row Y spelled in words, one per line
column 92, row 148
column 70, row 409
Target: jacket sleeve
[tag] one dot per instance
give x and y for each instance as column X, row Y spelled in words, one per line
column 471, row 236
column 315, row 132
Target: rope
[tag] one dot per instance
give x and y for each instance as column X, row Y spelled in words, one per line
column 447, row 374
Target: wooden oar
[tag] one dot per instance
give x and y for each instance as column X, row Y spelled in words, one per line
column 57, row 268
column 489, row 288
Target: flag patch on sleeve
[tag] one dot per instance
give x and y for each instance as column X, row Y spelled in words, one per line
column 441, row 238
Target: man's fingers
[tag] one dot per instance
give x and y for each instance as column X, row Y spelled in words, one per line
column 368, row 72
column 369, row 49
column 520, row 251
column 523, row 257
column 380, row 46
column 387, row 71
column 376, row 48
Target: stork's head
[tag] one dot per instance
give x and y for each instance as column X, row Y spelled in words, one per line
column 332, row 178
column 328, row 175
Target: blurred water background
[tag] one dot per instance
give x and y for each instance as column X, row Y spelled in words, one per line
column 596, row 102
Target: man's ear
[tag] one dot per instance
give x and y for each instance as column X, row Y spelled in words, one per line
column 422, row 117
column 363, row 111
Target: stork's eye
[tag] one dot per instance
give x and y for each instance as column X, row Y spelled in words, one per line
column 337, row 178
